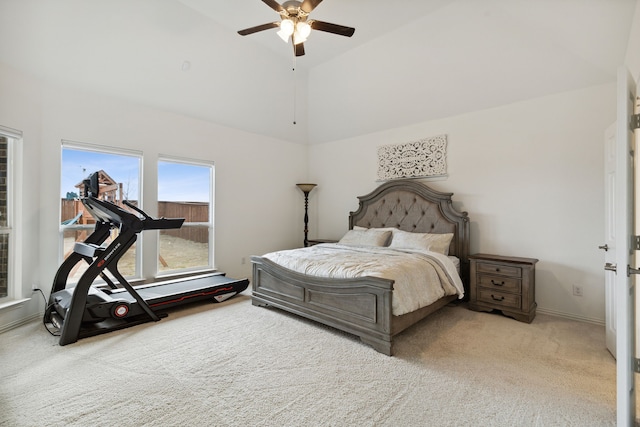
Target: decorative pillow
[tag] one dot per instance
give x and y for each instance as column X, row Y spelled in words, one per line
column 366, row 237
column 426, row 241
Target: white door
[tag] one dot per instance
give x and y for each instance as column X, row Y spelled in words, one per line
column 624, row 283
column 609, row 245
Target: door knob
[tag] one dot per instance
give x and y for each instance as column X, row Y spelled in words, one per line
column 605, row 247
column 611, row 267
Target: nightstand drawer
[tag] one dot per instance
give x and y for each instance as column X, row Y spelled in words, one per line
column 499, row 298
column 507, row 284
column 503, row 270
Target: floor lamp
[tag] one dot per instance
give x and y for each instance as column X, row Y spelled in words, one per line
column 306, row 189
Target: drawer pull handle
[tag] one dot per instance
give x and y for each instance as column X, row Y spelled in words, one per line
column 496, row 283
column 497, row 299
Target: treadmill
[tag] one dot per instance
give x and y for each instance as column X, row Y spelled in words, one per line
column 87, row 310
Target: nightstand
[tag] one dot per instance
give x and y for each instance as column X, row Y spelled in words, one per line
column 503, row 283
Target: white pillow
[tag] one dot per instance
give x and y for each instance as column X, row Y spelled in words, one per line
column 366, row 237
column 425, row 241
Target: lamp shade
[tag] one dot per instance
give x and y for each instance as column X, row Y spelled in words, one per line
column 287, row 28
column 306, row 187
column 301, row 33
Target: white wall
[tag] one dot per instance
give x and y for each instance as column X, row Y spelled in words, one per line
column 256, row 198
column 530, row 175
column 135, row 50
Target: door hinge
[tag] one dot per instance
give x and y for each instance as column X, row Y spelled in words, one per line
column 634, row 122
column 635, row 242
column 631, row 271
column 636, row 365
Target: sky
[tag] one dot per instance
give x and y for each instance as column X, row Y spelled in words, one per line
column 176, row 181
column 180, row 182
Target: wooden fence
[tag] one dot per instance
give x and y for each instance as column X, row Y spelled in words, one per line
column 191, row 211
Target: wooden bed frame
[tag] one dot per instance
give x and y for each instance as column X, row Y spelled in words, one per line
column 362, row 306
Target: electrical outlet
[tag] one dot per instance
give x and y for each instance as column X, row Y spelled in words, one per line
column 577, row 290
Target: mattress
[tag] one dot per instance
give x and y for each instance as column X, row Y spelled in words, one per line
column 420, row 277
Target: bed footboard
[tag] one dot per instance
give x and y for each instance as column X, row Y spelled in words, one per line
column 359, row 306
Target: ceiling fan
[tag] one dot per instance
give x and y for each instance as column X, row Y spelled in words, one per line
column 295, row 25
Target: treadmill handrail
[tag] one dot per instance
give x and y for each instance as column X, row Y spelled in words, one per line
column 109, row 212
column 137, row 209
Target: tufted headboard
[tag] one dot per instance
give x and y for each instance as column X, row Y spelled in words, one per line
column 412, row 206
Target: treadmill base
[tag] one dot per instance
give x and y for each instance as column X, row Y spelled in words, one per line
column 111, row 310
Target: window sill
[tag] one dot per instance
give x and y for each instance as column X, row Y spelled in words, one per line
column 13, row 304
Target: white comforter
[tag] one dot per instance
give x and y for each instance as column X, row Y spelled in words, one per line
column 421, row 277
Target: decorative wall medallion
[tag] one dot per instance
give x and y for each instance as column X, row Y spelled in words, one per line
column 426, row 157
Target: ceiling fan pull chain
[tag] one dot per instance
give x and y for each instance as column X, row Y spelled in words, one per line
column 295, row 87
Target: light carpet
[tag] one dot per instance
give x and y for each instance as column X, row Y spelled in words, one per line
column 234, row 364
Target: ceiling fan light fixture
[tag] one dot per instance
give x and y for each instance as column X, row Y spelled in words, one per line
column 295, row 24
column 287, row 28
column 303, row 29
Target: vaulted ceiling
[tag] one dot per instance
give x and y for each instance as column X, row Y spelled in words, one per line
column 408, row 62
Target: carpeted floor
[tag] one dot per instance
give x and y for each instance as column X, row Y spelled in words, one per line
column 233, row 364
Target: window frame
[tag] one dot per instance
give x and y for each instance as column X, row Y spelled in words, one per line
column 13, row 227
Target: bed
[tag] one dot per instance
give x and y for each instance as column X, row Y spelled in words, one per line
column 363, row 306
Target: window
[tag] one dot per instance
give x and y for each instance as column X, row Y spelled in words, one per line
column 119, row 178
column 8, row 285
column 185, row 190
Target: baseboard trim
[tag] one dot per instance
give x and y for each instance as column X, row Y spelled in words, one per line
column 20, row 322
column 571, row 316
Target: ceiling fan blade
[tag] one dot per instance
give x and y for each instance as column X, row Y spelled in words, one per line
column 298, row 49
column 309, row 5
column 273, row 5
column 341, row 30
column 255, row 29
